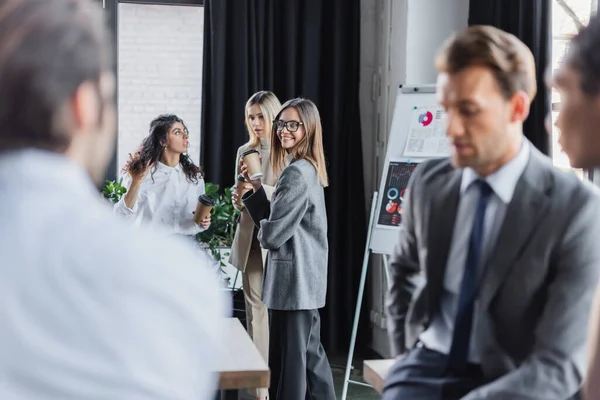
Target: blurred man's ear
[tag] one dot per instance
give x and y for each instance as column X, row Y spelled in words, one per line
column 521, row 104
column 84, row 108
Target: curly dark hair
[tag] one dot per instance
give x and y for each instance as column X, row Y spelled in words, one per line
column 152, row 148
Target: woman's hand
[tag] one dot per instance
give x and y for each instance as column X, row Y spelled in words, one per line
column 235, row 197
column 140, row 176
column 205, row 223
column 256, row 183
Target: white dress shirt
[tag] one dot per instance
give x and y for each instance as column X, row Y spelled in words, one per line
column 91, row 307
column 438, row 335
column 166, row 200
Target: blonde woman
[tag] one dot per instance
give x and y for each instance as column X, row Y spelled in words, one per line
column 246, row 254
column 293, row 228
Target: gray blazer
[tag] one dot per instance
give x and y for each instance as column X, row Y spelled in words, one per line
column 536, row 288
column 293, row 228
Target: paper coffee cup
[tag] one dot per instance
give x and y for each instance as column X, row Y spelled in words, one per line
column 252, row 161
column 203, row 208
column 242, row 187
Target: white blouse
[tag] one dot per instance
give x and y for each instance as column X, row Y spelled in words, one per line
column 166, row 200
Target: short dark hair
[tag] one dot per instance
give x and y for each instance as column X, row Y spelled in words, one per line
column 583, row 54
column 510, row 60
column 48, row 49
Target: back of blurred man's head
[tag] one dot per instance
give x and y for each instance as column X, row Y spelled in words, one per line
column 56, row 88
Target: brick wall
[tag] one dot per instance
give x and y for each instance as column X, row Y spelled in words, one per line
column 160, row 71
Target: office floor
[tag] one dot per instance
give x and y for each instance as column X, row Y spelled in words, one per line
column 338, row 365
column 355, row 392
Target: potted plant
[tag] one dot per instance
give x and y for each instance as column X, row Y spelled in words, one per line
column 114, row 190
column 217, row 238
column 219, row 235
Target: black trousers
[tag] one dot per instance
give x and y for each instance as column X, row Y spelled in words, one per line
column 299, row 366
column 422, row 375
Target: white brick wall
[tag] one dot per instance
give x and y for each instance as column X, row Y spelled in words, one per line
column 160, row 71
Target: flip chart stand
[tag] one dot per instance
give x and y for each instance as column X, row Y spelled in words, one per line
column 359, row 300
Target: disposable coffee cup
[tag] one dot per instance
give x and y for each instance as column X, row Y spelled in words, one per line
column 203, row 208
column 252, row 161
column 241, row 187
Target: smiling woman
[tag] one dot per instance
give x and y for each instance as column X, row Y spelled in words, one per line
column 292, row 227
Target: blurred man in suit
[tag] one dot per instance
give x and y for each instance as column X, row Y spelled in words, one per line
column 90, row 308
column 507, row 245
column 578, row 82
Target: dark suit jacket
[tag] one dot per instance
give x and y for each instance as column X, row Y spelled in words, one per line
column 536, row 288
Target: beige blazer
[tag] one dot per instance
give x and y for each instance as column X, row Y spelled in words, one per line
column 244, row 234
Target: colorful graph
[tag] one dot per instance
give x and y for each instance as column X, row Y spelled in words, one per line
column 393, row 195
column 426, row 118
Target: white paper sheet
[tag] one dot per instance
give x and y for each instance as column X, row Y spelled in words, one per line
column 427, row 134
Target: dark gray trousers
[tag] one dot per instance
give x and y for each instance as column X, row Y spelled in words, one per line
column 299, row 366
column 422, row 375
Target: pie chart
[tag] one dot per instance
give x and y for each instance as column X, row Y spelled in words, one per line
column 426, row 118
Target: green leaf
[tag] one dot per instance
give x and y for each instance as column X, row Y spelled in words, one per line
column 224, row 221
column 113, row 190
column 212, row 190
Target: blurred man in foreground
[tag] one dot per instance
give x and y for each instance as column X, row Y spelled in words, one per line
column 89, row 307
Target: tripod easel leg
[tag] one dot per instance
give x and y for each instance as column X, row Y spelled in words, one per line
column 386, row 270
column 361, row 291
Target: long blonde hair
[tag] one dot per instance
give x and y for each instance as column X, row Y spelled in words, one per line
column 269, row 105
column 310, row 147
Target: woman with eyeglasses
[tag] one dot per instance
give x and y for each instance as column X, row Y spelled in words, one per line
column 163, row 184
column 246, row 253
column 293, row 228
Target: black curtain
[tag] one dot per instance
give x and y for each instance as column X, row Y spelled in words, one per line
column 530, row 21
column 295, row 48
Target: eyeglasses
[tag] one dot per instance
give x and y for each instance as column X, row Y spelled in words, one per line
column 291, row 126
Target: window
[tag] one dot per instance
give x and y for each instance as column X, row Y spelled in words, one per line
column 567, row 17
column 160, row 55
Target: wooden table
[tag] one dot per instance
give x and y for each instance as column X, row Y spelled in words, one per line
column 375, row 372
column 242, row 366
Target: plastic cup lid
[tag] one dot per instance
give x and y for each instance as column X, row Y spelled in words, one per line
column 206, row 199
column 244, row 154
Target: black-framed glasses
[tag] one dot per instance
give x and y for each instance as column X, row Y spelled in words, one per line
column 291, row 126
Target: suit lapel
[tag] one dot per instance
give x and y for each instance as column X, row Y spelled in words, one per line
column 529, row 204
column 444, row 206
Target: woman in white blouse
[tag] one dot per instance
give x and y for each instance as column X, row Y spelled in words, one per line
column 163, row 184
